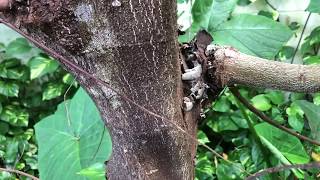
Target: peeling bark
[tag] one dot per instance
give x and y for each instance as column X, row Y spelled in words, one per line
column 133, row 47
column 232, row 67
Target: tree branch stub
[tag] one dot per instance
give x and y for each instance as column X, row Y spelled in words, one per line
column 233, row 67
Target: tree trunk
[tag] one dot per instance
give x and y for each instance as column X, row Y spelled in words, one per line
column 131, row 45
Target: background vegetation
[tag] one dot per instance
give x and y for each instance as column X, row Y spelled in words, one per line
column 37, row 135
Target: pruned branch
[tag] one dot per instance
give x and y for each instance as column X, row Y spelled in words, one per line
column 233, row 67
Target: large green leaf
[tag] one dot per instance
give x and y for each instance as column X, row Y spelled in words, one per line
column 255, row 35
column 289, row 146
column 41, row 65
column 70, row 142
column 312, row 112
column 314, row 6
column 18, row 46
column 208, row 14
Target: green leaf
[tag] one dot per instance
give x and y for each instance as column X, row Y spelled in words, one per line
column 4, row 128
column 204, row 167
column 94, row 172
column 278, row 154
column 228, row 171
column 208, row 14
column 261, row 102
column 311, row 60
column 222, row 104
column 72, row 141
column 69, row 79
column 313, row 114
column 18, row 46
column 314, row 6
column 223, row 123
column 255, row 35
column 285, row 53
column 276, row 115
column 9, row 89
column 15, row 116
column 52, row 90
column 202, row 137
column 243, row 2
column 11, row 151
column 289, row 146
column 12, row 69
column 316, row 99
column 268, row 14
column 40, row 66
column 295, row 117
column 220, row 12
column 276, row 97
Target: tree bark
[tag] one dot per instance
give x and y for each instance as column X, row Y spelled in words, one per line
column 131, row 45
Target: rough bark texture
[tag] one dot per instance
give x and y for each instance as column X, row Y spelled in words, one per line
column 130, row 44
column 233, row 67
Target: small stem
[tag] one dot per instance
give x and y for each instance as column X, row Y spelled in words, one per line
column 254, row 132
column 20, row 173
column 269, row 4
column 265, row 118
column 282, row 168
column 304, row 28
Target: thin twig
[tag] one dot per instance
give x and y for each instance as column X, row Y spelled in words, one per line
column 75, row 67
column 304, row 28
column 285, row 167
column 265, row 118
column 20, row 173
column 272, row 7
column 66, row 103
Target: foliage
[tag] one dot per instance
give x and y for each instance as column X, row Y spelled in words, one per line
column 227, row 126
column 31, row 86
column 69, row 139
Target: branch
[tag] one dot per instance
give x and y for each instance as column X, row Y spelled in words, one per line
column 265, row 118
column 20, row 173
column 281, row 168
column 232, row 67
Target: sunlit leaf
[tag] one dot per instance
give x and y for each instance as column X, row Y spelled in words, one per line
column 261, row 102
column 9, row 89
column 40, row 66
column 94, row 172
column 53, row 90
